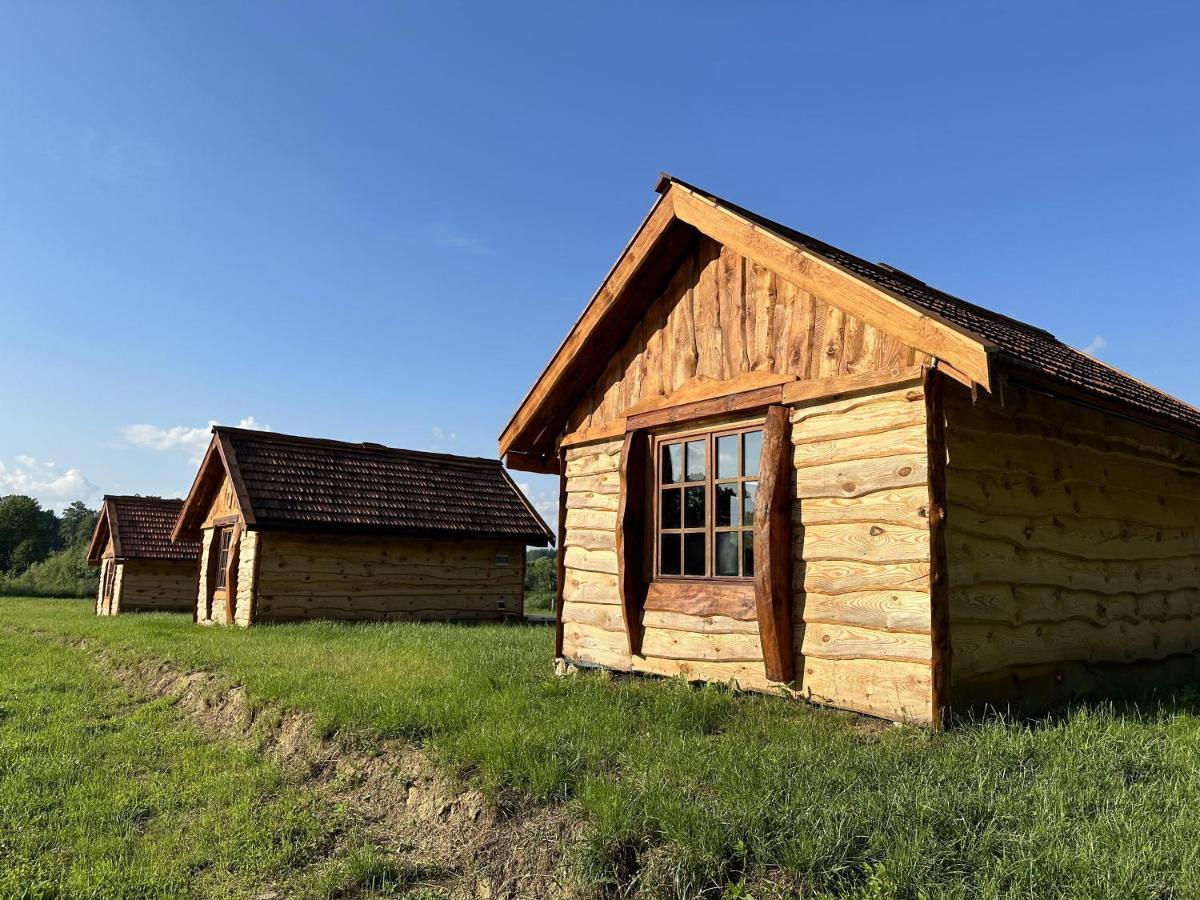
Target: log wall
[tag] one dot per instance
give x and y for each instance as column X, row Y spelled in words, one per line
column 861, row 564
column 722, row 316
column 308, row 576
column 155, row 585
column 862, row 550
column 1073, row 542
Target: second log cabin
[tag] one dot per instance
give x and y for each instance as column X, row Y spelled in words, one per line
column 784, row 466
column 302, row 528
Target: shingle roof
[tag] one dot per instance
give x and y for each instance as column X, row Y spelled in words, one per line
column 141, row 528
column 294, row 481
column 1020, row 343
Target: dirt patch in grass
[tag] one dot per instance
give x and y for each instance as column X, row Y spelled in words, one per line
column 467, row 844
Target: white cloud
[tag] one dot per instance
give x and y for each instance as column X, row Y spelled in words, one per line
column 1098, row 343
column 43, row 481
column 544, row 498
column 442, row 436
column 180, row 437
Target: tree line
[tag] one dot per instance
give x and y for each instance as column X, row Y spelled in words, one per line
column 43, row 553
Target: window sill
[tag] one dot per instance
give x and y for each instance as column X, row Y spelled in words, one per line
column 730, row 597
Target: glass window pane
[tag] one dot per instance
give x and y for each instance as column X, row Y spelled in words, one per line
column 748, row 553
column 727, row 456
column 749, row 489
column 727, row 500
column 693, row 555
column 672, row 464
column 695, row 460
column 693, row 507
column 670, row 508
column 668, row 554
column 751, row 451
column 727, row 552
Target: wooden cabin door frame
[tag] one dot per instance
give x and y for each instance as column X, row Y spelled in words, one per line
column 223, row 544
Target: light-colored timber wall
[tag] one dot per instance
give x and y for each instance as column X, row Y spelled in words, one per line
column 201, row 598
column 157, row 585
column 723, row 316
column 106, row 562
column 862, row 554
column 247, row 574
column 224, row 504
column 1073, row 546
column 708, row 648
column 306, row 576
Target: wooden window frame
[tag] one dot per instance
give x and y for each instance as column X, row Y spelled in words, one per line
column 110, row 581
column 709, row 435
column 221, row 579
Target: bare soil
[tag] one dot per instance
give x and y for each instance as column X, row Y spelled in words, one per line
column 470, row 846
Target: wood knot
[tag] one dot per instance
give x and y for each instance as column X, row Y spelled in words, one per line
column 923, row 513
column 904, row 471
column 876, row 531
column 848, row 486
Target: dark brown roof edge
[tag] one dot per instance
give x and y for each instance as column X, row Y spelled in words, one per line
column 529, row 537
column 364, row 446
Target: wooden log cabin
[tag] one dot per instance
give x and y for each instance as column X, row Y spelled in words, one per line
column 141, row 568
column 300, row 528
column 786, row 467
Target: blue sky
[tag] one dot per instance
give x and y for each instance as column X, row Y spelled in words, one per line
column 377, row 221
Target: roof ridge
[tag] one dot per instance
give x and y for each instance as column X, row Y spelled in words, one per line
column 368, row 446
column 144, row 498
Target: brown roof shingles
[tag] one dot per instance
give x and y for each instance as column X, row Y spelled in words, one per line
column 143, row 529
column 1023, row 344
column 308, row 482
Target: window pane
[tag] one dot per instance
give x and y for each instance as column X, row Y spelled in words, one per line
column 693, row 507
column 751, row 451
column 693, row 555
column 695, row 460
column 672, row 464
column 727, row 552
column 749, row 489
column 727, row 459
column 670, row 508
column 668, row 554
column 727, row 501
column 748, row 553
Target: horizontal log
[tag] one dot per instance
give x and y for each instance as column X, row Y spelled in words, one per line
column 845, row 387
column 744, row 676
column 1082, row 537
column 855, row 642
column 710, row 647
column 890, row 689
column 592, row 539
column 606, row 483
column 863, row 542
column 851, row 576
column 1004, row 603
column 672, row 621
column 856, row 479
column 899, row 506
column 590, row 587
column 884, row 610
column 603, row 561
column 596, row 520
column 594, row 464
column 605, row 616
column 908, row 440
column 604, row 502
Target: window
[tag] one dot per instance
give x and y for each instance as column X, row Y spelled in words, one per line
column 501, row 559
column 225, row 540
column 705, row 487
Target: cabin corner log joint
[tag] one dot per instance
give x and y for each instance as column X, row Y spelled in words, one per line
column 292, row 528
column 780, row 464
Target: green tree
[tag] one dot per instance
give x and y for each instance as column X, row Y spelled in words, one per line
column 541, row 575
column 78, row 523
column 28, row 533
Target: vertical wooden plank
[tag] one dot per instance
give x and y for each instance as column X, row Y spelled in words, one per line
column 939, row 587
column 231, row 566
column 560, row 555
column 631, row 529
column 773, row 548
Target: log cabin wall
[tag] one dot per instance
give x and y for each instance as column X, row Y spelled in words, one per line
column 722, row 316
column 709, row 647
column 308, row 576
column 1073, row 543
column 155, row 585
column 862, row 554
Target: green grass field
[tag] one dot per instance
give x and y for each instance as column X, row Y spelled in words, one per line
column 684, row 790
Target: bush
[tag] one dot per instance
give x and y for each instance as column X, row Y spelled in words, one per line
column 62, row 574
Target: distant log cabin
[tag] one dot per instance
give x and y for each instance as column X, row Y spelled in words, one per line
column 302, row 528
column 782, row 465
column 141, row 568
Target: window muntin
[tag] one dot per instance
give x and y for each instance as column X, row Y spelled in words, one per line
column 704, row 488
column 226, row 540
